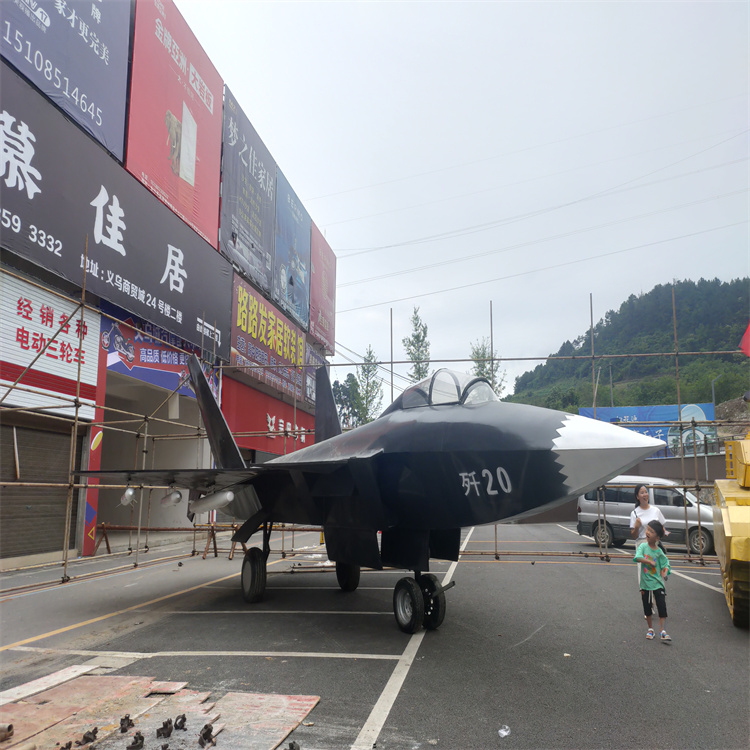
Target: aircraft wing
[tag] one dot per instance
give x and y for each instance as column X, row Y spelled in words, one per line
column 207, row 480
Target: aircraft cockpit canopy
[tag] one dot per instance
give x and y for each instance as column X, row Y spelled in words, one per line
column 443, row 388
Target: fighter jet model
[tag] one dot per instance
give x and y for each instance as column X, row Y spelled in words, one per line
column 445, row 455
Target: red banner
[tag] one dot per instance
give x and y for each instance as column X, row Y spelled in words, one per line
column 174, row 132
column 261, row 422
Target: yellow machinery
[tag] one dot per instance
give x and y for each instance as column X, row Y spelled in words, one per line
column 732, row 530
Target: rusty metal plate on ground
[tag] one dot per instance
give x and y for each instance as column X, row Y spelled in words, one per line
column 257, row 720
column 64, row 713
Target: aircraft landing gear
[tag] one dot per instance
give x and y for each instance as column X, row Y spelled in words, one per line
column 254, row 569
column 419, row 601
column 347, row 575
column 253, row 575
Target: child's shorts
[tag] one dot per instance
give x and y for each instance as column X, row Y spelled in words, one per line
column 660, row 595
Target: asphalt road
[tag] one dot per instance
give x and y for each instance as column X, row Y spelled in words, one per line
column 553, row 648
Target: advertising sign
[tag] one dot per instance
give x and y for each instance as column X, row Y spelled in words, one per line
column 136, row 348
column 268, row 424
column 248, row 191
column 174, row 131
column 67, row 206
column 291, row 279
column 76, row 53
column 29, row 319
column 679, row 440
column 265, row 342
column 322, row 291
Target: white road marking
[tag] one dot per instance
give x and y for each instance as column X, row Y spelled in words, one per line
column 674, row 572
column 261, row 612
column 44, row 683
column 700, row 583
column 370, row 732
column 135, row 655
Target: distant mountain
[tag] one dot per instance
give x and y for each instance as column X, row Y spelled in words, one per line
column 711, row 316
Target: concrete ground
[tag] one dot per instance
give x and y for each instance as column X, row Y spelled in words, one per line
column 549, row 647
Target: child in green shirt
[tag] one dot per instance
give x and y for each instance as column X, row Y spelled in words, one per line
column 654, row 571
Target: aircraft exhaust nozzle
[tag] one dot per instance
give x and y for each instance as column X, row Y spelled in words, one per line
column 211, row 502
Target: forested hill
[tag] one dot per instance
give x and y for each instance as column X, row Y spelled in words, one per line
column 711, row 316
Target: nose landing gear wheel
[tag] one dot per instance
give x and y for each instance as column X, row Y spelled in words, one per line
column 434, row 604
column 408, row 605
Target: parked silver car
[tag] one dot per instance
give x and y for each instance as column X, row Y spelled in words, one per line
column 671, row 500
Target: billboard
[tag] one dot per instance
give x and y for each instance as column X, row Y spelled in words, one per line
column 137, row 348
column 174, row 130
column 665, row 425
column 32, row 319
column 76, row 53
column 291, row 278
column 265, row 342
column 67, row 206
column 248, row 191
column 274, row 426
column 322, row 291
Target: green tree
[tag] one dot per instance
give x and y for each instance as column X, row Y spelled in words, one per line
column 417, row 348
column 484, row 367
column 346, row 396
column 711, row 316
column 369, row 387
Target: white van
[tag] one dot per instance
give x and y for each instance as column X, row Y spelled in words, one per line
column 619, row 500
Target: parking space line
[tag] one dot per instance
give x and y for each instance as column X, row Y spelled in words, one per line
column 695, row 580
column 267, row 612
column 68, row 628
column 136, row 655
column 370, row 732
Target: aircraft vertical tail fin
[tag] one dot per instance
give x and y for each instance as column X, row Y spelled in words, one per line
column 327, row 423
column 226, row 453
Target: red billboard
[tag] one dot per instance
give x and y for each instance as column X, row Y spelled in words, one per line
column 174, row 131
column 322, row 291
column 261, row 422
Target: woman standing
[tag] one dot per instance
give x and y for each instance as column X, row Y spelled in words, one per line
column 642, row 514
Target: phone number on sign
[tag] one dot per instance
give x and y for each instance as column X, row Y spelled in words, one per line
column 39, row 236
column 44, row 66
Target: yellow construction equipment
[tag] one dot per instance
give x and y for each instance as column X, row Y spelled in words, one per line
column 732, row 530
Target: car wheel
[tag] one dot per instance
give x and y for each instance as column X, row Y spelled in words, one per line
column 603, row 534
column 698, row 537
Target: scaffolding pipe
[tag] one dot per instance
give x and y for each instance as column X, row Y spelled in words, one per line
column 74, row 431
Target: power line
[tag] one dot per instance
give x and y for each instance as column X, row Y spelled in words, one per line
column 522, row 150
column 545, row 268
column 578, row 168
column 465, row 258
column 549, row 209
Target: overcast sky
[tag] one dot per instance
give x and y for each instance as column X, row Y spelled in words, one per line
column 524, row 154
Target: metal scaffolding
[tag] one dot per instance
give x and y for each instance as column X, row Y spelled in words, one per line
column 137, row 425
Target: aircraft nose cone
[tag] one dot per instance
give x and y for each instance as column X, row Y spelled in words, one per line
column 590, row 452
